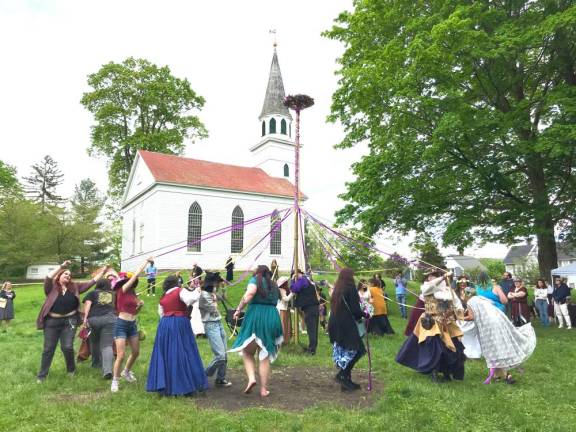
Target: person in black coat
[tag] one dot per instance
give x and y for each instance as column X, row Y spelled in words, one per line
column 229, row 269
column 345, row 313
column 307, row 301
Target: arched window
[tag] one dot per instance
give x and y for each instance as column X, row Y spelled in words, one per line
column 276, row 234
column 286, row 170
column 272, row 125
column 283, row 127
column 195, row 228
column 237, row 230
column 263, row 128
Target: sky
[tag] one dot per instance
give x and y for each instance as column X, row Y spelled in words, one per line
column 224, row 48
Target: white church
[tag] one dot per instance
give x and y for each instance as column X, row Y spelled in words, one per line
column 176, row 208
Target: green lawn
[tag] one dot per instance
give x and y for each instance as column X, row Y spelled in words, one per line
column 542, row 400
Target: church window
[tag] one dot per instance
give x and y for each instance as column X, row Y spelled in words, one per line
column 272, row 125
column 237, row 230
column 286, row 170
column 290, row 130
column 283, row 127
column 141, row 236
column 263, row 128
column 195, row 228
column 276, row 234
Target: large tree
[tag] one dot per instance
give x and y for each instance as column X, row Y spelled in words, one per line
column 138, row 105
column 43, row 182
column 469, row 110
column 9, row 185
column 87, row 205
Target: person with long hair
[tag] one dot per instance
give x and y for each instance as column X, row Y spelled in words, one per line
column 345, row 313
column 126, row 328
column 59, row 317
column 7, row 296
column 175, row 365
column 541, row 301
column 100, row 317
column 261, row 329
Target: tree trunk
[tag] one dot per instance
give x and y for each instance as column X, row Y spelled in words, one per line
column 543, row 220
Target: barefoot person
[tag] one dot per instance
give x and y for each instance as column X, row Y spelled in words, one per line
column 261, row 330
column 58, row 316
column 126, row 329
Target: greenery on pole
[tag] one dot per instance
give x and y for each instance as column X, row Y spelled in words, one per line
column 469, row 111
column 138, row 105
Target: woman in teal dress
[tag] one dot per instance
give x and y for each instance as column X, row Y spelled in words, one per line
column 261, row 329
column 491, row 290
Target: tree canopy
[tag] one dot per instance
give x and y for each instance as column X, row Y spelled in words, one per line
column 138, row 105
column 469, row 111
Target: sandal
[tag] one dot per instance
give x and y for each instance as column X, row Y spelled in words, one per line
column 509, row 379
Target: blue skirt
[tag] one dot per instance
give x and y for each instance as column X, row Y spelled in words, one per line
column 175, row 367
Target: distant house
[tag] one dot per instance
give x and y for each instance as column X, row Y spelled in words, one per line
column 460, row 264
column 520, row 256
column 39, row 271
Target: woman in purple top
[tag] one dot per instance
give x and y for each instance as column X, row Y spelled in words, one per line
column 58, row 317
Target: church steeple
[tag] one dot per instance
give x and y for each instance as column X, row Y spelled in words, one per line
column 274, row 99
column 275, row 151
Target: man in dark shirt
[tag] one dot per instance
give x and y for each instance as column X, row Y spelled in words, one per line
column 560, row 294
column 507, row 283
column 307, row 301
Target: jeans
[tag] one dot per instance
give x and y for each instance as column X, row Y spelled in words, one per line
column 217, row 339
column 311, row 316
column 101, row 340
column 401, row 299
column 542, row 307
column 63, row 329
column 151, row 288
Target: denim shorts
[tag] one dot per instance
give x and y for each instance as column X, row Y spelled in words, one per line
column 125, row 329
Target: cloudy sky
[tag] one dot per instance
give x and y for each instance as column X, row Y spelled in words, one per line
column 224, row 48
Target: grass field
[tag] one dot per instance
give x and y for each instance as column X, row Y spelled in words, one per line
column 544, row 398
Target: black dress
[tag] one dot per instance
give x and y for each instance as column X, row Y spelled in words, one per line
column 7, row 312
column 342, row 327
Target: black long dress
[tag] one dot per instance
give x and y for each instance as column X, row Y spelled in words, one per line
column 229, row 270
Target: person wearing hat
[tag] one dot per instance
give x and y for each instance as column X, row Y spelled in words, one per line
column 435, row 345
column 126, row 329
column 283, row 307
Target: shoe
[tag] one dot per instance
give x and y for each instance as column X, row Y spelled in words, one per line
column 354, row 385
column 40, row 380
column 347, row 386
column 107, row 376
column 71, row 374
column 128, row 375
column 115, row 386
column 434, row 377
column 509, row 379
column 222, row 383
column 561, row 326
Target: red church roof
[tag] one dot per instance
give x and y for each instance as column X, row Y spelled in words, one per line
column 193, row 172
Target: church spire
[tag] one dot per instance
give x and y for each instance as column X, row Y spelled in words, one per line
column 274, row 99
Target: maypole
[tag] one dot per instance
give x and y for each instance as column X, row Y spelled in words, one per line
column 297, row 103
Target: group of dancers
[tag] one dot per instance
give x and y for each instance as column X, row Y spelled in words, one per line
column 449, row 325
column 446, row 327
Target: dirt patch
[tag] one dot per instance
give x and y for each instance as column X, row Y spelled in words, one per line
column 292, row 389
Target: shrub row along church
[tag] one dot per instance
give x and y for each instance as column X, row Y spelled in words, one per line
column 171, row 202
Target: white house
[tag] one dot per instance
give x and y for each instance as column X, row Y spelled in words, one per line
column 39, row 271
column 174, row 207
column 521, row 256
column 460, row 264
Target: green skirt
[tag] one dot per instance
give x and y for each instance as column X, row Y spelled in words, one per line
column 262, row 325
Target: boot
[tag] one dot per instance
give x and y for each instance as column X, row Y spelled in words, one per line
column 339, row 376
column 347, row 386
column 348, row 377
